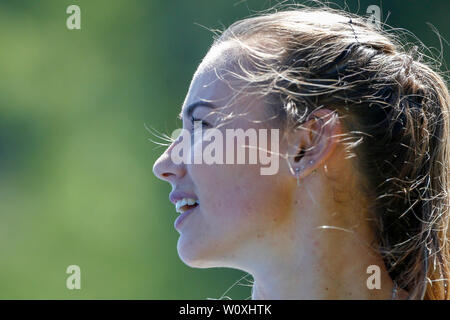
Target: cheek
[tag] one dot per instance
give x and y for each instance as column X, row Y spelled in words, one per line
column 275, row 201
column 239, row 196
column 223, row 191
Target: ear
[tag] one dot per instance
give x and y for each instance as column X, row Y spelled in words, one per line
column 312, row 144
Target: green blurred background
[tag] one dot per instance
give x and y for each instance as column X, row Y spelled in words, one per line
column 76, row 182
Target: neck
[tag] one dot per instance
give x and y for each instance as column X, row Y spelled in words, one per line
column 314, row 275
column 314, row 260
column 320, row 251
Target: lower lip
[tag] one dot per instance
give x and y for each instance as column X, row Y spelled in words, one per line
column 179, row 221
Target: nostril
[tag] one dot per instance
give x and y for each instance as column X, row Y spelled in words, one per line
column 166, row 170
column 167, row 175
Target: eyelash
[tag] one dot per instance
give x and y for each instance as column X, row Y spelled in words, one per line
column 204, row 123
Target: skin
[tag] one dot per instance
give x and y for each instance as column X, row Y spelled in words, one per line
column 267, row 225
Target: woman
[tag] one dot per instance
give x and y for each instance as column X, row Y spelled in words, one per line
column 358, row 206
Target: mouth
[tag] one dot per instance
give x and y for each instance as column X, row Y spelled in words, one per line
column 186, row 204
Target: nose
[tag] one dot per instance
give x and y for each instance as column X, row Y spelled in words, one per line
column 165, row 169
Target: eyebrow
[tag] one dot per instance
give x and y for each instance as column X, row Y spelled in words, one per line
column 190, row 108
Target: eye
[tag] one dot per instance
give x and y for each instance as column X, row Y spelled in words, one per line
column 203, row 123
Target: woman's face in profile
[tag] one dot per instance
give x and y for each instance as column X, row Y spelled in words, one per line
column 269, row 225
column 237, row 205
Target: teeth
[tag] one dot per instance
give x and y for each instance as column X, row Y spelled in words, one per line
column 183, row 202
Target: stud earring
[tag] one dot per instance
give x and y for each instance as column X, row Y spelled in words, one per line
column 311, row 162
column 297, row 174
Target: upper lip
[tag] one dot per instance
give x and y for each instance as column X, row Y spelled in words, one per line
column 178, row 195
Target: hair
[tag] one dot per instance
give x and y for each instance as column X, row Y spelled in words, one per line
column 395, row 111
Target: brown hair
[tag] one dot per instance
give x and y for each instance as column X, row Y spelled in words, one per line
column 395, row 108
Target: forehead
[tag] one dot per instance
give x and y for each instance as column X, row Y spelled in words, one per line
column 222, row 55
column 217, row 79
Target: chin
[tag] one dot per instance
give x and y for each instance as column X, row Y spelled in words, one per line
column 196, row 257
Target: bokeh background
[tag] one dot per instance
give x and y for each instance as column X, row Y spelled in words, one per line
column 76, row 182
